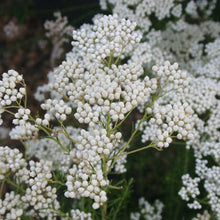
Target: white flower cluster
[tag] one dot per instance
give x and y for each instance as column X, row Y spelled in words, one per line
column 209, row 66
column 11, row 160
column 206, row 6
column 200, row 94
column 204, row 216
column 139, row 11
column 201, row 60
column 107, row 37
column 211, row 183
column 37, row 197
column 24, row 132
column 77, row 214
column 184, row 40
column 57, row 108
column 167, row 120
column 45, row 89
column 171, row 74
column 22, row 116
column 190, row 188
column 80, row 80
column 8, row 91
column 9, row 207
column 102, row 98
column 148, row 211
column 206, row 143
column 106, row 90
column 191, row 9
column 11, row 30
column 86, row 179
column 82, row 182
column 40, row 196
column 58, row 31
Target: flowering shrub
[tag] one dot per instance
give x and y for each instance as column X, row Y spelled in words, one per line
column 117, row 66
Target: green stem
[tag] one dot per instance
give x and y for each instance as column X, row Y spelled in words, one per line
column 11, row 106
column 62, row 214
column 143, row 148
column 12, row 113
column 117, row 125
column 25, row 95
column 110, row 61
column 122, row 200
column 186, row 161
column 58, row 182
column 105, row 173
column 108, row 126
column 202, row 201
column 15, row 185
column 104, row 211
column 129, row 141
column 53, row 138
column 119, row 57
column 1, row 189
column 115, row 187
column 66, row 133
column 44, row 129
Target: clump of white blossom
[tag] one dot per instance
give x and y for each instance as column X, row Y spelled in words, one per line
column 9, row 207
column 11, row 30
column 58, row 32
column 12, row 161
column 36, row 197
column 116, row 65
column 204, row 216
column 148, row 211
